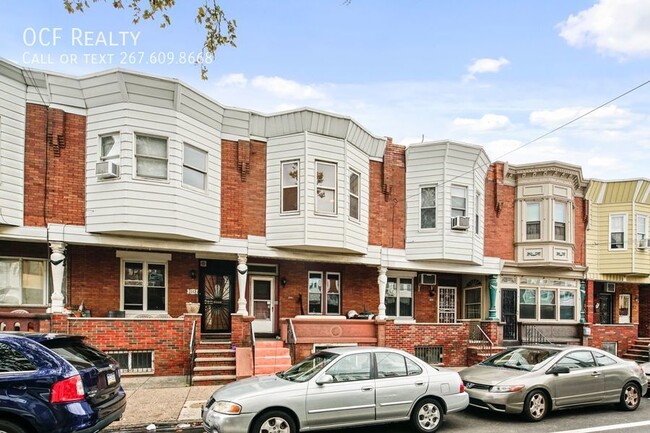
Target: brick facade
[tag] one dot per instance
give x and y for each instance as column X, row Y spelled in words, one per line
column 623, row 335
column 499, row 226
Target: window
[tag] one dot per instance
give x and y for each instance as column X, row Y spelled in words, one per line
column 533, row 221
column 477, row 213
column 109, row 147
column 473, row 303
column 617, row 226
column 354, row 195
column 603, row 360
column 577, row 360
column 458, row 201
column 429, row 354
column 290, row 186
column 542, row 304
column 325, row 187
column 331, row 297
column 135, row 361
column 23, row 281
column 195, row 167
column 446, row 304
column 399, row 297
column 559, row 218
column 151, row 157
column 641, row 227
column 428, row 207
column 144, row 286
column 13, row 361
column 351, row 368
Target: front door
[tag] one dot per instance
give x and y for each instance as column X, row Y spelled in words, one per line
column 624, row 309
column 446, row 305
column 509, row 313
column 217, row 295
column 262, row 300
column 605, row 308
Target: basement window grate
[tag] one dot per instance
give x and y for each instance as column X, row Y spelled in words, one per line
column 429, row 354
column 133, row 361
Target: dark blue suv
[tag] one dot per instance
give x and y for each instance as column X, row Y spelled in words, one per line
column 56, row 383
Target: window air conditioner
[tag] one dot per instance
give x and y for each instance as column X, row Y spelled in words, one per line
column 460, row 223
column 610, row 287
column 428, row 279
column 644, row 243
column 107, row 170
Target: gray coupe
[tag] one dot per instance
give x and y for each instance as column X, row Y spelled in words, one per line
column 533, row 380
column 338, row 387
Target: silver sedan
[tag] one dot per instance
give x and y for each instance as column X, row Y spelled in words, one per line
column 533, row 380
column 339, row 387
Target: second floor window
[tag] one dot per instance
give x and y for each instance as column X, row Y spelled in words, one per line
column 533, row 221
column 290, row 189
column 354, row 195
column 326, row 195
column 641, row 227
column 477, row 213
column 195, row 166
column 617, row 232
column 458, row 201
column 428, row 207
column 151, row 157
column 559, row 218
column 109, row 147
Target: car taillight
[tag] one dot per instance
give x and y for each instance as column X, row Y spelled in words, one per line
column 67, row 390
column 462, row 387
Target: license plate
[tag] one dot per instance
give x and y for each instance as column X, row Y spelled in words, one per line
column 110, row 378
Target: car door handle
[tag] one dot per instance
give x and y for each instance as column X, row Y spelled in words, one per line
column 19, row 387
column 419, row 383
column 595, row 374
column 366, row 388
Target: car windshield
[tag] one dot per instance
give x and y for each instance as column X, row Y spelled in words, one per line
column 522, row 358
column 308, row 367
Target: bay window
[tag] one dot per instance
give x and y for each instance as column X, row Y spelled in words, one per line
column 458, row 201
column 428, row 207
column 290, row 186
column 617, row 231
column 353, row 190
column 326, row 191
column 559, row 221
column 150, row 157
column 547, row 304
column 195, row 167
column 533, row 221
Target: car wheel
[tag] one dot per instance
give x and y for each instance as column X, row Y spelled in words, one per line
column 536, row 406
column 274, row 421
column 9, row 427
column 630, row 396
column 427, row 415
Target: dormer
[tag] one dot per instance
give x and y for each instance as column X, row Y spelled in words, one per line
column 445, row 190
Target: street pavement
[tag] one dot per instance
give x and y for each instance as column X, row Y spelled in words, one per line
column 161, row 403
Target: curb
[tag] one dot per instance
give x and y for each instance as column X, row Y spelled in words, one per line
column 162, row 426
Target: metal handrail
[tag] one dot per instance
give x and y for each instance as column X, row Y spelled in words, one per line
column 532, row 335
column 292, row 339
column 192, row 350
column 250, row 327
column 485, row 341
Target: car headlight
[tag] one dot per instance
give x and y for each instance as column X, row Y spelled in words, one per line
column 506, row 388
column 227, row 407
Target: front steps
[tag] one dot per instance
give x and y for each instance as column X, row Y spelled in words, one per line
column 638, row 350
column 271, row 356
column 214, row 362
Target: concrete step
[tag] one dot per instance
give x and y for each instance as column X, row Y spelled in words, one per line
column 217, row 352
column 215, row 362
column 213, row 380
column 214, row 368
column 268, row 343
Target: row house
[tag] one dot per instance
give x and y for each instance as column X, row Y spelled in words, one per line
column 179, row 234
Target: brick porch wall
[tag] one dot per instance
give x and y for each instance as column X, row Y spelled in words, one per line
column 624, row 335
column 452, row 337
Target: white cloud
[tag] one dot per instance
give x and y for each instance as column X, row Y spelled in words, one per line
column 486, row 65
column 615, row 27
column 232, row 80
column 287, row 88
column 606, row 118
column 489, row 122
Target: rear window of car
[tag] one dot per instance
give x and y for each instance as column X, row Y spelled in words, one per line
column 76, row 352
column 12, row 361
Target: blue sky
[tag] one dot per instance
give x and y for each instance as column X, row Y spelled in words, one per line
column 497, row 73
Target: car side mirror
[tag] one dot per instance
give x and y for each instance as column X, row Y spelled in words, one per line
column 326, row 378
column 558, row 369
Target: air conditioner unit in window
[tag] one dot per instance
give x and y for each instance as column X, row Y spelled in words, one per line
column 460, row 223
column 428, row 279
column 644, row 243
column 610, row 287
column 107, row 170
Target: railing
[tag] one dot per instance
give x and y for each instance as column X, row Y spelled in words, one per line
column 192, row 351
column 481, row 340
column 292, row 339
column 531, row 335
column 250, row 327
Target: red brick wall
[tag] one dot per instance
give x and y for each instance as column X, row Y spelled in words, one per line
column 499, row 225
column 387, row 223
column 579, row 254
column 243, row 197
column 65, row 174
column 644, row 312
column 624, row 335
column 168, row 339
column 453, row 338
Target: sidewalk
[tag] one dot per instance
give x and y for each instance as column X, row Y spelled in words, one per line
column 161, row 401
